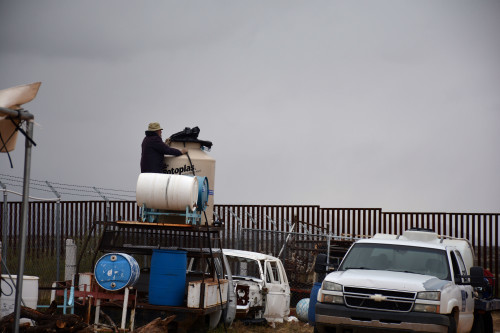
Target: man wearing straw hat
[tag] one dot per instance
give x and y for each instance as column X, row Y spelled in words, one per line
column 154, row 150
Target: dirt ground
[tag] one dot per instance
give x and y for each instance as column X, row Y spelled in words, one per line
column 300, row 327
column 293, row 327
column 496, row 321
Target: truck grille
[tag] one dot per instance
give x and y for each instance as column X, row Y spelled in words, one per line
column 377, row 299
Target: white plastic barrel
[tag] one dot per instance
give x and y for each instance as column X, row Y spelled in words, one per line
column 167, row 192
column 8, row 297
column 200, row 162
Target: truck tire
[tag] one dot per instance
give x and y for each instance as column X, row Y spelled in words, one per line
column 488, row 322
column 478, row 325
column 452, row 328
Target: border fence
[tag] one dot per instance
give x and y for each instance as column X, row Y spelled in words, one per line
column 295, row 233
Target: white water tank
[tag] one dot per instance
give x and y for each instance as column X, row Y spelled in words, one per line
column 199, row 163
column 167, row 192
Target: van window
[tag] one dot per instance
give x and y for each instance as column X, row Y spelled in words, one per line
column 461, row 263
column 456, row 268
column 455, row 255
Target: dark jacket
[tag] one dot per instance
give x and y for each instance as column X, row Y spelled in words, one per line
column 153, row 151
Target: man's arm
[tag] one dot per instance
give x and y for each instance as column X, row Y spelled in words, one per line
column 165, row 149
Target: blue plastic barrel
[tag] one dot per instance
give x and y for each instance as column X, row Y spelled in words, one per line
column 115, row 271
column 312, row 303
column 167, row 277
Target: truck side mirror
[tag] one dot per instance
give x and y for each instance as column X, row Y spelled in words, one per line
column 477, row 277
column 320, row 264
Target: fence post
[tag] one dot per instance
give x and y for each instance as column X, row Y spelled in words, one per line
column 70, row 263
column 4, row 223
column 58, row 230
column 328, row 241
column 107, row 203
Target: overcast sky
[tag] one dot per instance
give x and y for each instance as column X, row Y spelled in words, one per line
column 384, row 104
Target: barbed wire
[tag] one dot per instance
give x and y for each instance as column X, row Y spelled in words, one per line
column 69, row 189
column 70, row 185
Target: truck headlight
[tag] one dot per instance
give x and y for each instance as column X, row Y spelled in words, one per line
column 426, row 308
column 332, row 286
column 429, row 295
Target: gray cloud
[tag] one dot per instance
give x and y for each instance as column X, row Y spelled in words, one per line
column 366, row 104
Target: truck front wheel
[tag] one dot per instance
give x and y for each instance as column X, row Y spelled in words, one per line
column 478, row 325
column 452, row 328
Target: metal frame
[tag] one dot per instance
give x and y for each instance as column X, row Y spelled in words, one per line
column 111, row 231
column 150, row 215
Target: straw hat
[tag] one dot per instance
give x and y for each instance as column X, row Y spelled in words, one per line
column 153, row 127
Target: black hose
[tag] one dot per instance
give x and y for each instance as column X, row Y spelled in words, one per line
column 191, row 163
column 11, row 288
column 215, row 269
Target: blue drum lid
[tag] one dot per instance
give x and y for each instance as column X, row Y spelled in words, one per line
column 202, row 193
column 115, row 271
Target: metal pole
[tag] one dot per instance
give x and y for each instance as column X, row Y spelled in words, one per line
column 286, row 240
column 58, row 230
column 24, row 223
column 329, row 239
column 4, row 223
column 303, row 234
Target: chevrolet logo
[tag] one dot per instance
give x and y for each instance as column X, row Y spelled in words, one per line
column 378, row 298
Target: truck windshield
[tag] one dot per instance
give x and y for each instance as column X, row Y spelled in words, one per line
column 398, row 258
column 242, row 267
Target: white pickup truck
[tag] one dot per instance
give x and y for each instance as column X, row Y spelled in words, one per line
column 416, row 282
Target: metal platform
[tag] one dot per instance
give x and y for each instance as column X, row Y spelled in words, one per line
column 141, row 238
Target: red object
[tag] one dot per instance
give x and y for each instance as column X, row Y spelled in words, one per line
column 490, row 277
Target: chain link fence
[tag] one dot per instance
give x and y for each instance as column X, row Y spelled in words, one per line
column 295, row 234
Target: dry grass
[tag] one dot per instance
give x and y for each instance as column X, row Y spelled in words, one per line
column 294, row 327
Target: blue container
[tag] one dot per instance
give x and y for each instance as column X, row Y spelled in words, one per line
column 312, row 303
column 202, row 202
column 115, row 271
column 167, row 278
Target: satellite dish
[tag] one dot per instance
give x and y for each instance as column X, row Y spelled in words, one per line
column 12, row 99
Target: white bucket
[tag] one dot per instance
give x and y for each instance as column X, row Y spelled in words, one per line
column 8, row 297
column 168, row 192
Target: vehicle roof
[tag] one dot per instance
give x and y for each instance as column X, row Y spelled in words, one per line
column 248, row 254
column 404, row 242
column 423, row 238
